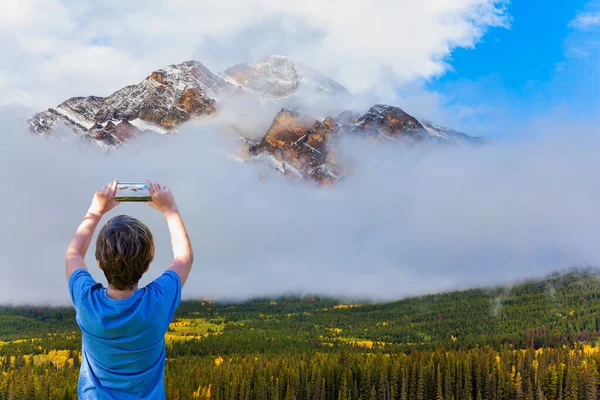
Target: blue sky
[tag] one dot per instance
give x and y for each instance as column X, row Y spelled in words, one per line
column 547, row 62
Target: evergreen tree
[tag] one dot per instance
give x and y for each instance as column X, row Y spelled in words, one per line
column 438, row 378
column 467, row 392
column 404, row 386
column 571, row 385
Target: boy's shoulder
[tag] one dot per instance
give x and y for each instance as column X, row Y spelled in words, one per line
column 168, row 282
column 164, row 289
column 81, row 283
column 153, row 305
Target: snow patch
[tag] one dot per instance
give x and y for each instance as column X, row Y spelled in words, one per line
column 147, row 126
column 71, row 116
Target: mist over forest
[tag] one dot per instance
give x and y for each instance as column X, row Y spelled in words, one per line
column 406, row 221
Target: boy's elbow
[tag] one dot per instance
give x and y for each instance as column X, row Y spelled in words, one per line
column 189, row 257
column 186, row 260
column 71, row 254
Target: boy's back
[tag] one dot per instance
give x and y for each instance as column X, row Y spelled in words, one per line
column 123, row 346
column 123, row 327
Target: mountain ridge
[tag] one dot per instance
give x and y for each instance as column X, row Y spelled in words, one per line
column 178, row 93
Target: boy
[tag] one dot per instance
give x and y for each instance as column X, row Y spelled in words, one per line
column 122, row 326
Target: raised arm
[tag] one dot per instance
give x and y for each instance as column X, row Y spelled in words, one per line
column 104, row 201
column 164, row 201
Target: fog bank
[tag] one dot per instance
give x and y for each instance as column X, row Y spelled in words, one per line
column 407, row 222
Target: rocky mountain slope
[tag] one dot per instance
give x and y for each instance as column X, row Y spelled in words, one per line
column 162, row 101
column 301, row 147
column 296, row 145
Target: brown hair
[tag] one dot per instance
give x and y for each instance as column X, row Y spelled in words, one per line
column 124, row 250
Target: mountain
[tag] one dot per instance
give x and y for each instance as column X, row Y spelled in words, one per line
column 389, row 122
column 296, row 145
column 300, row 146
column 162, row 101
column 278, row 76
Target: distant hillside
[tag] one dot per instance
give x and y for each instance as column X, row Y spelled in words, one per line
column 560, row 309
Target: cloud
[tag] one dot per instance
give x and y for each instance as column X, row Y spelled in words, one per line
column 584, row 41
column 409, row 221
column 48, row 43
column 585, row 21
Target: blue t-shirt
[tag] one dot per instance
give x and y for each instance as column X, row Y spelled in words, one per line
column 123, row 341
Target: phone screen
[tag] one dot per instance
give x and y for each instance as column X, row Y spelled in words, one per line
column 132, row 191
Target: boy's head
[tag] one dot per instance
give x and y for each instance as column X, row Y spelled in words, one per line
column 124, row 250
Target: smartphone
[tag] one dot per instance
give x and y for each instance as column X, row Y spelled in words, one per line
column 132, row 191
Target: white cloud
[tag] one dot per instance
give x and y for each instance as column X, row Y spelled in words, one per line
column 585, row 21
column 584, row 41
column 53, row 49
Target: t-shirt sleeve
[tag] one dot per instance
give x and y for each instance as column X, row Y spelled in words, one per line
column 80, row 284
column 167, row 291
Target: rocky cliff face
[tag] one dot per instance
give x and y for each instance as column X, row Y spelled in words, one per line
column 298, row 145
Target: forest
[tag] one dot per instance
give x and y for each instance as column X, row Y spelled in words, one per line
column 533, row 340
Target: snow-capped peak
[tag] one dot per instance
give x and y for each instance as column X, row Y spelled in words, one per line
column 278, row 76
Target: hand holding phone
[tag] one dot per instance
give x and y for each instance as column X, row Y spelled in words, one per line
column 162, row 198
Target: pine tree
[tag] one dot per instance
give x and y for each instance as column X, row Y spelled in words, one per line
column 561, row 379
column 420, row 385
column 412, row 384
column 355, row 391
column 447, row 384
column 394, row 381
column 519, row 386
column 404, row 385
column 289, row 393
column 439, row 392
column 571, row 385
column 343, row 392
column 591, row 388
column 552, row 385
column 323, row 389
column 467, row 392
column 478, row 376
column 365, row 382
column 491, row 390
column 384, row 390
column 372, row 393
